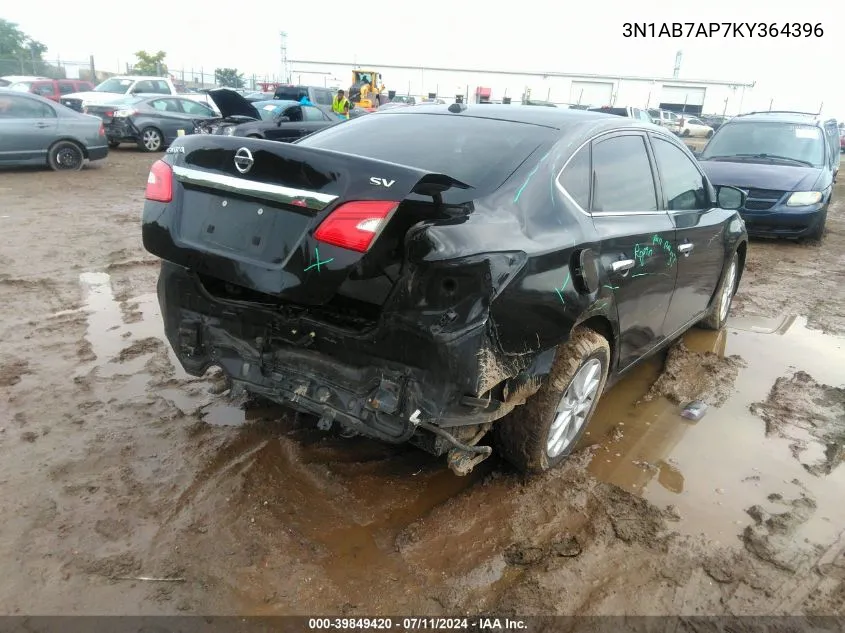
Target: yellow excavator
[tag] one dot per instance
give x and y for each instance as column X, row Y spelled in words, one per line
column 366, row 90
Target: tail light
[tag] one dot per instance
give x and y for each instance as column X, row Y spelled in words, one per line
column 355, row 225
column 102, row 130
column 160, row 182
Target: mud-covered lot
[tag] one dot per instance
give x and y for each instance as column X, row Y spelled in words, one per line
column 127, row 487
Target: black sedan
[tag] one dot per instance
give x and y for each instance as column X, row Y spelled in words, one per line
column 435, row 272
column 274, row 119
column 151, row 121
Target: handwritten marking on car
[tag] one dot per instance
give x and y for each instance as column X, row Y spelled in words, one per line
column 559, row 291
column 383, row 182
column 178, row 149
column 642, row 251
column 319, row 261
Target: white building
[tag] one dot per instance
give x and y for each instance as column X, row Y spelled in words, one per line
column 699, row 96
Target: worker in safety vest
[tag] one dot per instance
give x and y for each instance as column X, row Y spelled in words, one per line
column 340, row 105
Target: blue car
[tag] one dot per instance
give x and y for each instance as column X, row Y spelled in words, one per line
column 786, row 162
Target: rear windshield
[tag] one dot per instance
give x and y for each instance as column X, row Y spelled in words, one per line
column 290, row 94
column 479, row 152
column 802, row 143
column 21, row 86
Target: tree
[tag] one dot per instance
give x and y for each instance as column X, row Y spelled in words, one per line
column 150, row 64
column 228, row 77
column 19, row 53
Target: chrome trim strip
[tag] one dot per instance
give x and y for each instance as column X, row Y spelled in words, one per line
column 312, row 199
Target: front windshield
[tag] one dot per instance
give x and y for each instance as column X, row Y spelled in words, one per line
column 114, row 85
column 269, row 110
column 801, row 143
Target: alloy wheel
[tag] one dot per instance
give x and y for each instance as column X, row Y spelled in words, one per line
column 727, row 292
column 574, row 407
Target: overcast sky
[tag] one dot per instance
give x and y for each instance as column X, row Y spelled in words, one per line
column 523, row 35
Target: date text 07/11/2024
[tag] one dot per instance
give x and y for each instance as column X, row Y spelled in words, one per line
column 722, row 29
column 486, row 624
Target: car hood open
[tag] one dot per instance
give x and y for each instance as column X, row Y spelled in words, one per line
column 230, row 103
column 750, row 175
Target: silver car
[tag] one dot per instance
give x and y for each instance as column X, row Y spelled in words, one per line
column 37, row 131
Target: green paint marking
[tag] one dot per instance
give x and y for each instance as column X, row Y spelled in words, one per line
column 319, row 261
column 559, row 291
column 639, row 275
column 611, row 287
column 641, row 252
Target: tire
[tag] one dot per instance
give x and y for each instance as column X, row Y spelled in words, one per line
column 709, row 134
column 686, row 132
column 721, row 308
column 65, row 156
column 523, row 436
column 253, row 136
column 151, row 140
column 818, row 231
column 113, row 144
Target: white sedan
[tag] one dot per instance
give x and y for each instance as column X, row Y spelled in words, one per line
column 693, row 126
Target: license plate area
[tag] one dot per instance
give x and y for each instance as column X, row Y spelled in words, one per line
column 240, row 228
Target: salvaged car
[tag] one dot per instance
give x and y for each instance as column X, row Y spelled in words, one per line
column 275, row 119
column 433, row 272
column 152, row 122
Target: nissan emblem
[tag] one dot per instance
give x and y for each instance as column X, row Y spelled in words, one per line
column 243, row 160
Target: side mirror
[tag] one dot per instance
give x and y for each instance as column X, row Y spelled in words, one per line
column 283, row 119
column 730, row 198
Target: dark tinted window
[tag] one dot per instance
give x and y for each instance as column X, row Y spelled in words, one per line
column 616, row 111
column 288, row 93
column 576, row 178
column 622, row 176
column 165, row 105
column 682, row 182
column 22, row 108
column 479, row 152
column 67, row 87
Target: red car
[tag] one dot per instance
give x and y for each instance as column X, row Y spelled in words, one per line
column 52, row 88
column 842, row 141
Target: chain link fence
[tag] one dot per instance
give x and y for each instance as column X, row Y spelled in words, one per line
column 89, row 70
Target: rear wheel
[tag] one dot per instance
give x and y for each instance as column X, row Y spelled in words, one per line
column 686, row 132
column 541, row 433
column 721, row 307
column 709, row 133
column 151, row 140
column 65, row 156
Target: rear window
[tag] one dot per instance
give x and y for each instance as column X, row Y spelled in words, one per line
column 616, row 111
column 290, row 93
column 479, row 152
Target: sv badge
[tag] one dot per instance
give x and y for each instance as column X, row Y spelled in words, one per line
column 381, row 182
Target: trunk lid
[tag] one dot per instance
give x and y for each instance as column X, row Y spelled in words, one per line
column 248, row 227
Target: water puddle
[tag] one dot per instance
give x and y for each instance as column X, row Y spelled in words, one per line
column 129, row 350
column 714, row 469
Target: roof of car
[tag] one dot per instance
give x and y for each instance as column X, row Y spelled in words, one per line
column 549, row 117
column 778, row 117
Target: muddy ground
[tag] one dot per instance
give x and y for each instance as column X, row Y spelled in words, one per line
column 115, row 466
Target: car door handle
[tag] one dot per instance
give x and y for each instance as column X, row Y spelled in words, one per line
column 622, row 265
column 686, row 248
column 42, row 125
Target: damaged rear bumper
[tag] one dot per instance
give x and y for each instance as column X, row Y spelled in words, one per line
column 375, row 383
